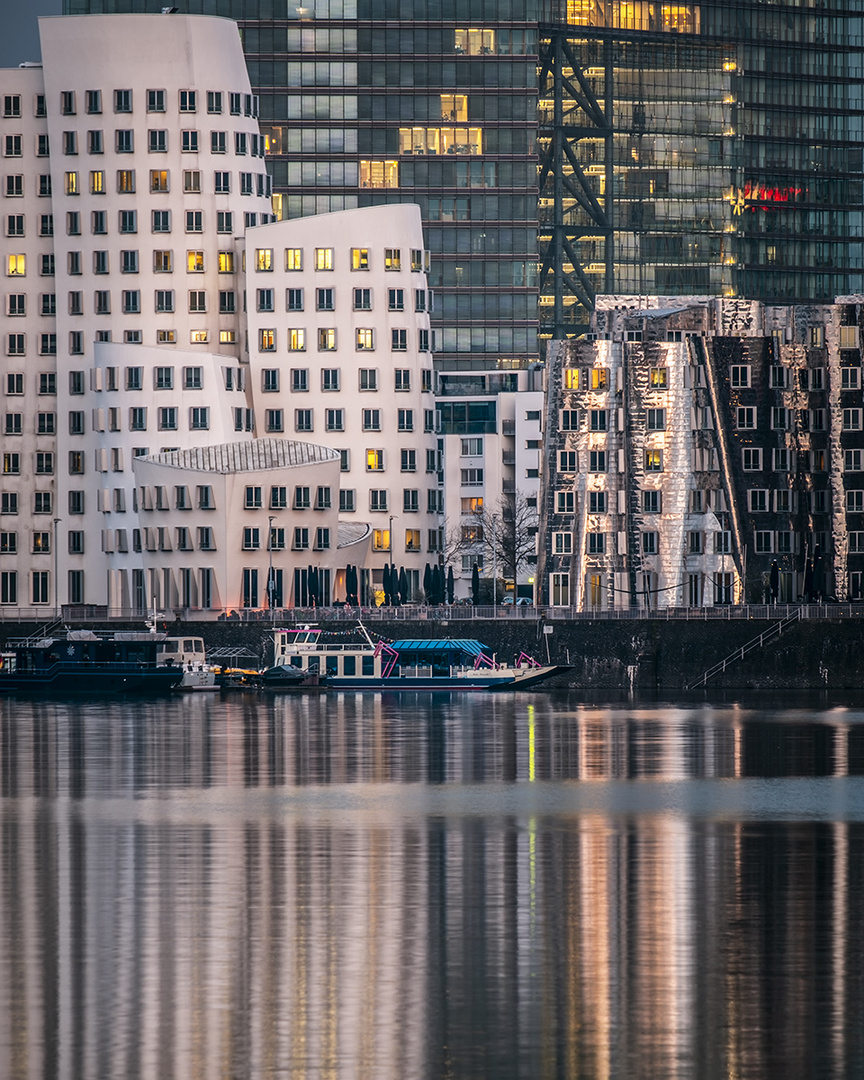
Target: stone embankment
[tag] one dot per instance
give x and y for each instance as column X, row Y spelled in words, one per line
column 619, row 654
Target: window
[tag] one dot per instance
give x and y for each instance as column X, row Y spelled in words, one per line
column 471, row 477
column 11, row 464
column 347, row 501
column 599, row 419
column 124, row 141
column 323, row 258
column 374, row 460
column 597, row 542
column 371, row 419
column 739, row 376
column 214, row 101
column 164, row 300
column 399, row 340
column 408, row 461
column 11, row 106
column 303, row 420
column 324, row 299
column 278, row 498
column 365, row 340
column 757, row 500
column 779, row 419
column 362, row 299
column 138, row 419
column 378, row 499
column 746, row 418
column 596, row 502
column 751, row 458
column 270, row 380
column 194, row 221
column 653, row 461
column 8, row 503
column 850, row 378
column 16, row 304
column 293, row 258
column 188, row 101
column 251, row 538
column 189, row 145
column 15, row 225
column 301, row 539
column 15, row 345
column 296, row 340
column 656, row 420
column 327, row 340
column 158, row 180
column 395, row 299
column 161, row 221
column 851, row 419
column 302, row 499
column 852, row 460
column 131, row 301
column 597, row 461
column 42, row 502
column 405, row 419
column 266, row 340
column 197, row 301
column 299, row 380
column 274, row 420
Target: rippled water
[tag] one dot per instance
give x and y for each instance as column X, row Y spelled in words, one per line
column 373, row 886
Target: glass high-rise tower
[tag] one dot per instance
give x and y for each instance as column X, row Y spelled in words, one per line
column 711, row 148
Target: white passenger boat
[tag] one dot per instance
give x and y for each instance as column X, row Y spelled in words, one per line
column 187, row 655
column 352, row 660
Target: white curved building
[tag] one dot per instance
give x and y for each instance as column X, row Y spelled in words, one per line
column 133, row 167
column 340, row 349
column 216, row 529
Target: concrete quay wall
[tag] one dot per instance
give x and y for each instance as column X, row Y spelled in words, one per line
column 638, row 654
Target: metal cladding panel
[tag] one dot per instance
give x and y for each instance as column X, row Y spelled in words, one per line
column 466, row 645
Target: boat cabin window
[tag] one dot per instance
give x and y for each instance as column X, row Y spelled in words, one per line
column 297, row 661
column 368, row 665
column 349, row 665
column 332, row 665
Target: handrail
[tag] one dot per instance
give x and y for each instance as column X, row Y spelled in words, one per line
column 754, row 643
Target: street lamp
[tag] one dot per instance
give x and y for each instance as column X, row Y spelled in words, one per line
column 56, row 584
column 270, row 582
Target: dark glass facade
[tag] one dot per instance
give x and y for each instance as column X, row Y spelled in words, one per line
column 682, row 148
column 710, row 149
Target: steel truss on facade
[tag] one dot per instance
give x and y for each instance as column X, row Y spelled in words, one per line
column 571, row 208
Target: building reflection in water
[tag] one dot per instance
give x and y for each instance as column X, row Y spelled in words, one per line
column 344, row 887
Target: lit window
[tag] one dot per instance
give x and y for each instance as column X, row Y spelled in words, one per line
column 293, row 258
column 323, row 258
column 264, row 259
column 359, row 258
column 379, row 174
column 296, row 340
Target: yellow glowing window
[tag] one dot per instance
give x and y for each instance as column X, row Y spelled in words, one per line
column 471, row 42
column 571, row 378
column 276, row 206
column 380, row 539
column 443, row 140
column 264, row 259
column 658, row 378
column 16, row 266
column 454, row 107
column 166, row 337
column 266, row 340
column 198, row 337
column 392, row 258
column 126, row 181
column 374, row 460
column 323, row 258
column 365, row 339
column 195, row 262
column 296, row 340
column 158, row 179
column 412, row 539
column 227, row 337
column 653, row 460
column 70, row 183
column 294, row 258
column 473, row 505
column 379, row 174
column 359, row 258
column 326, row 340
column 599, row 378
column 226, row 262
column 679, row 18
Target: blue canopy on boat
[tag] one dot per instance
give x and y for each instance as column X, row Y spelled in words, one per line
column 441, row 645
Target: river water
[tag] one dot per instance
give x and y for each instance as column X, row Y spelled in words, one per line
column 385, row 887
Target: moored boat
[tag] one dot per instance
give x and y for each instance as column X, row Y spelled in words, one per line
column 187, row 654
column 60, row 663
column 353, row 661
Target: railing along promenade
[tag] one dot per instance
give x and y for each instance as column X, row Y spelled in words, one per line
column 422, row 613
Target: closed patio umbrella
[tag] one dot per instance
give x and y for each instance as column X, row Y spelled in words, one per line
column 450, row 585
column 475, row 584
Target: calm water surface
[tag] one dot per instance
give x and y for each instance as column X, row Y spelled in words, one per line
column 384, row 887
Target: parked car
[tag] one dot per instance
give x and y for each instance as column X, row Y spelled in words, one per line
column 520, row 601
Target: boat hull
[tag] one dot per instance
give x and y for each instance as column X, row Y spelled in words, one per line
column 483, row 680
column 70, row 680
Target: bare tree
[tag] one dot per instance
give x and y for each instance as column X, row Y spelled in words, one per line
column 505, row 533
